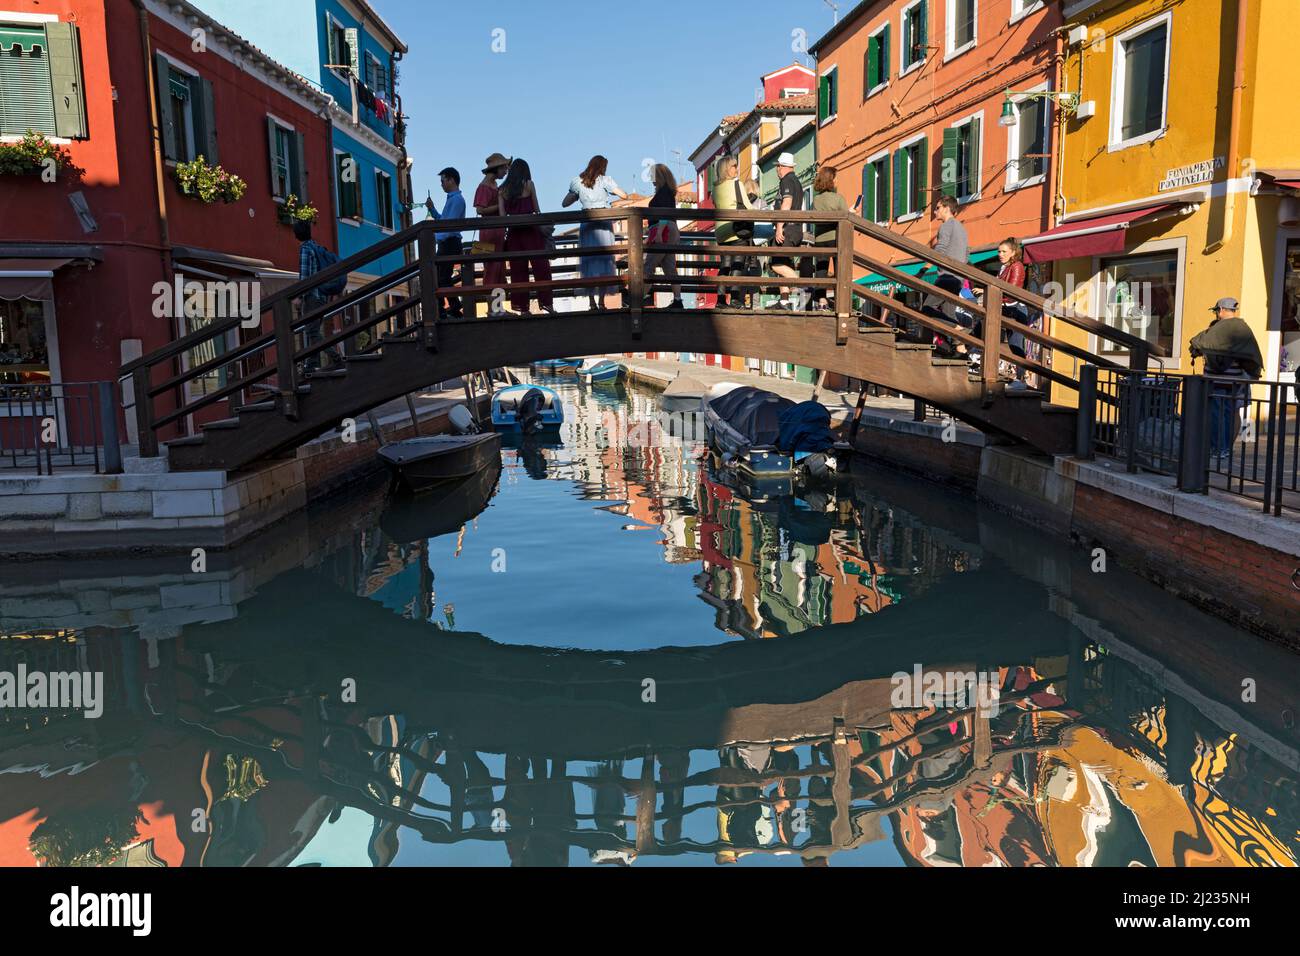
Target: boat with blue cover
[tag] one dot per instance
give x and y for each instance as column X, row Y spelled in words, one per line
column 557, row 366
column 527, row 409
column 762, row 435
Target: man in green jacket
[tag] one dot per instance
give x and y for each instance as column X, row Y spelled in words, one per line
column 1230, row 352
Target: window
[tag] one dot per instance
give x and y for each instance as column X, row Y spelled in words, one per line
column 915, row 35
column 1027, row 143
column 40, row 80
column 343, row 46
column 288, row 167
column 1141, row 297
column 384, row 198
column 348, row 179
column 1022, row 8
column 960, row 173
column 22, row 339
column 910, row 178
column 875, row 68
column 828, row 95
column 962, row 15
column 376, row 75
column 875, row 189
column 1140, row 84
column 186, row 113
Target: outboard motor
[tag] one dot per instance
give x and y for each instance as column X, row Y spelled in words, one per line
column 462, row 422
column 528, row 413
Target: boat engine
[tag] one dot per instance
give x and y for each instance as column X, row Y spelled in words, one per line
column 528, row 413
column 462, row 422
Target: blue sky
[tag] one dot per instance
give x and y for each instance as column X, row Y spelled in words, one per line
column 631, row 79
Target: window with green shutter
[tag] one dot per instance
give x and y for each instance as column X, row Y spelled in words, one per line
column 880, row 196
column 823, row 98
column 959, row 170
column 186, row 113
column 869, row 192
column 900, row 184
column 288, row 161
column 915, row 35
column 875, row 69
column 348, row 182
column 41, row 87
column 384, row 199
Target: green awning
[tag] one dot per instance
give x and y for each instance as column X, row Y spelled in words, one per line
column 27, row 38
column 922, row 270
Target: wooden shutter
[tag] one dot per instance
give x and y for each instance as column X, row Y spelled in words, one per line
column 65, row 80
column 299, row 168
column 873, row 65
column 354, row 50
column 922, row 174
column 834, row 79
column 823, row 97
column 973, row 154
column 924, row 39
column 900, row 183
column 162, row 80
column 273, row 156
column 885, row 71
column 869, row 192
column 949, row 169
column 882, row 173
column 331, row 52
column 205, row 113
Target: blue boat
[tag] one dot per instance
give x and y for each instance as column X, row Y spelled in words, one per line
column 527, row 409
column 606, row 370
column 557, row 365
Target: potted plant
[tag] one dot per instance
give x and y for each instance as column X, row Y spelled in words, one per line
column 292, row 210
column 31, row 155
column 209, row 183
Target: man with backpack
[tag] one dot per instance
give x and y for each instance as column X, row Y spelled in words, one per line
column 314, row 258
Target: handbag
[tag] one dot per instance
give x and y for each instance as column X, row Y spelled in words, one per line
column 744, row 230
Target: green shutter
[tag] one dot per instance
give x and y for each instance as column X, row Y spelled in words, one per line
column 922, row 174
column 205, row 115
column 26, row 101
column 974, row 154
column 299, row 172
column 900, row 183
column 924, row 39
column 354, row 50
column 869, row 192
column 65, row 81
column 162, row 79
column 835, row 92
column 272, row 153
column 873, row 65
column 882, row 171
column 885, row 71
column 823, row 97
column 331, row 54
column 949, row 171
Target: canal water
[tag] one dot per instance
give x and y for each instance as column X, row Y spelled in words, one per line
column 608, row 653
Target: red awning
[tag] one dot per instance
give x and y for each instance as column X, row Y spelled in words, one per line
column 29, row 278
column 1098, row 236
column 1287, row 183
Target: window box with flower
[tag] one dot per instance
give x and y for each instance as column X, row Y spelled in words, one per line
column 32, row 155
column 209, row 183
column 292, row 210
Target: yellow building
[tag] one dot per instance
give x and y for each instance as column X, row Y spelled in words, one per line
column 1177, row 171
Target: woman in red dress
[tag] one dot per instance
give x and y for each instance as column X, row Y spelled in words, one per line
column 487, row 203
column 519, row 198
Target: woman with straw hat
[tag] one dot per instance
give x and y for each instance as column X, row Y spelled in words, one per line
column 487, row 201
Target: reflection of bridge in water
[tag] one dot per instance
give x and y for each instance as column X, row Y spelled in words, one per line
column 1099, row 753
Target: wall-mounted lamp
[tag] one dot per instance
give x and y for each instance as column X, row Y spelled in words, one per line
column 1068, row 102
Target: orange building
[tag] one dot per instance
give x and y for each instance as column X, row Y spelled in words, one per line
column 910, row 95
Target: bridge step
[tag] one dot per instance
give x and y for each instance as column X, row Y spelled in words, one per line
column 1048, row 408
column 220, row 424
column 327, row 373
column 945, row 362
column 1024, row 393
column 913, row 346
column 365, row 357
column 186, row 442
column 269, row 406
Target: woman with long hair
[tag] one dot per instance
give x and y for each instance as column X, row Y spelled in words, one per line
column 664, row 232
column 595, row 190
column 730, row 194
column 1012, row 256
column 487, row 202
column 519, row 198
column 826, row 235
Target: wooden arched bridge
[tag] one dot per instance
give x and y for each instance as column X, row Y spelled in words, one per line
column 398, row 340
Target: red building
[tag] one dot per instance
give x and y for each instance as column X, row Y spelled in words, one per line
column 131, row 89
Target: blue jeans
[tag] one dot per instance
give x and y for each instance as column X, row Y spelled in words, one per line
column 1227, row 399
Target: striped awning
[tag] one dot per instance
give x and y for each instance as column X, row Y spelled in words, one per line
column 921, row 270
column 25, row 38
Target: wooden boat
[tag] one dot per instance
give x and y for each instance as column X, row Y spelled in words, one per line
column 527, row 408
column 558, row 366
column 683, row 394
column 420, row 463
column 606, row 370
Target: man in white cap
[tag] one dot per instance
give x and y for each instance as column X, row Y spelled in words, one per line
column 1230, row 352
column 790, row 234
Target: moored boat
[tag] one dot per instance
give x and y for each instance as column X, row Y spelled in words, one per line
column 443, row 509
column 558, row 365
column 421, row 463
column 527, row 408
column 682, row 394
column 763, row 435
column 606, row 370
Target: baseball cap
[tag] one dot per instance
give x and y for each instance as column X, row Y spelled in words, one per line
column 1226, row 302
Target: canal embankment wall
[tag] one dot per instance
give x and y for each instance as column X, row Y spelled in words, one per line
column 1216, row 551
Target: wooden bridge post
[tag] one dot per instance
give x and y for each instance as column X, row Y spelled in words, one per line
column 286, row 367
column 1087, row 420
column 635, row 268
column 992, row 337
column 430, row 306
column 646, row 798
column 843, row 280
column 144, row 412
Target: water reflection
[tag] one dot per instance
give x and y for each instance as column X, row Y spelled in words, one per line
column 314, row 701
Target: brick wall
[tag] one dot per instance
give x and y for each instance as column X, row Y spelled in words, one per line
column 1200, row 563
column 949, row 463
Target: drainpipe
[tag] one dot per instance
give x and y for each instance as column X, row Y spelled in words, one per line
column 1055, row 174
column 404, row 172
column 1234, row 135
column 155, row 137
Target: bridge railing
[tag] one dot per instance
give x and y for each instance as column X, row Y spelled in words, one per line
column 242, row 360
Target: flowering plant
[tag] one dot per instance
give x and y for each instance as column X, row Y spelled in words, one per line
column 292, row 210
column 209, row 183
column 31, row 154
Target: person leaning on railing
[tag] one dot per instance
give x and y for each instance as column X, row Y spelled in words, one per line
column 519, row 198
column 664, row 232
column 825, row 234
column 487, row 203
column 729, row 194
column 1230, row 352
column 595, row 190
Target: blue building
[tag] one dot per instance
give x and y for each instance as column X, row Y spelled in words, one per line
column 348, row 49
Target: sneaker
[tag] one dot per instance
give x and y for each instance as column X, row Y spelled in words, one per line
column 675, row 304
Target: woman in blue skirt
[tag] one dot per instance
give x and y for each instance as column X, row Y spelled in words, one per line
column 595, row 190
